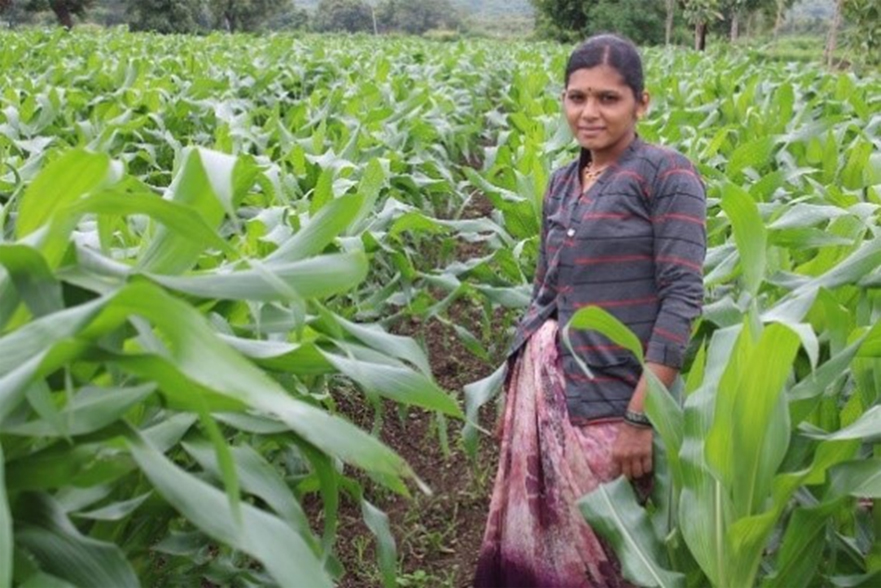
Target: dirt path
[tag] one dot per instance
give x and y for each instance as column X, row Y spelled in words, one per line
column 438, row 537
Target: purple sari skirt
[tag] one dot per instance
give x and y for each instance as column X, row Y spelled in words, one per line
column 535, row 535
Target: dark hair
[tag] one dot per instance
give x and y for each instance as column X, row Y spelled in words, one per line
column 617, row 52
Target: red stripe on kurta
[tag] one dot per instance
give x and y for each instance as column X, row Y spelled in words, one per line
column 611, row 259
column 680, row 261
column 679, row 170
column 613, row 303
column 606, row 215
column 669, row 335
column 682, row 217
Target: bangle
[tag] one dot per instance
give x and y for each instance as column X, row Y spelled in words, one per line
column 637, row 419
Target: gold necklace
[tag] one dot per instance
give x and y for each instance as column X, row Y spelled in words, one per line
column 590, row 174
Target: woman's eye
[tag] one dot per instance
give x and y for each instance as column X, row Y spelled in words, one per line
column 608, row 98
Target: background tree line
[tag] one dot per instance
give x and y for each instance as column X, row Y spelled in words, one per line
column 659, row 21
column 686, row 22
column 193, row 16
column 692, row 21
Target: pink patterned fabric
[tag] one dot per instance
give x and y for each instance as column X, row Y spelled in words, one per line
column 535, row 535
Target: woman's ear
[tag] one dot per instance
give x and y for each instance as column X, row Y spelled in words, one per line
column 642, row 105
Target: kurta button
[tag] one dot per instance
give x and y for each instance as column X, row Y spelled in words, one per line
column 570, row 233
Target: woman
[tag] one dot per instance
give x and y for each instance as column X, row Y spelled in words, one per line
column 623, row 228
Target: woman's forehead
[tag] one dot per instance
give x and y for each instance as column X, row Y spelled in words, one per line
column 600, row 77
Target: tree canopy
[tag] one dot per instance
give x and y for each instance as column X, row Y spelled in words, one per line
column 63, row 9
column 416, row 18
column 164, row 16
column 863, row 18
column 343, row 15
column 245, row 15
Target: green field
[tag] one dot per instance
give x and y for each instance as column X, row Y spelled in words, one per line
column 212, row 248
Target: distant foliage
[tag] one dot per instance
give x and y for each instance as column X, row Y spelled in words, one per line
column 417, row 17
column 562, row 20
column 64, row 9
column 164, row 16
column 245, row 15
column 290, row 18
column 350, row 16
column 639, row 20
column 863, row 18
column 572, row 20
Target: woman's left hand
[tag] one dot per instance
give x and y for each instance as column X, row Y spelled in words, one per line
column 632, row 451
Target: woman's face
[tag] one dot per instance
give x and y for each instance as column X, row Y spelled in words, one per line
column 602, row 111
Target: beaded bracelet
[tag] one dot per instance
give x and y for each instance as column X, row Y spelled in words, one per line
column 637, row 419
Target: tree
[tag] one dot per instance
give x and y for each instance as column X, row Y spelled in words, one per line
column 563, row 20
column 832, row 39
column 245, row 15
column 63, row 9
column 109, row 12
column 863, row 34
column 291, row 18
column 343, row 15
column 736, row 10
column 642, row 22
column 780, row 10
column 417, row 17
column 571, row 20
column 670, row 7
column 164, row 16
column 700, row 13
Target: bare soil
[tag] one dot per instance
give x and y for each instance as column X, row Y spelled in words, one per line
column 438, row 536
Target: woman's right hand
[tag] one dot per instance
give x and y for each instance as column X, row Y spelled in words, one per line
column 632, row 451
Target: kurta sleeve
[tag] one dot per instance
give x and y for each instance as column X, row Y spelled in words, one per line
column 678, row 209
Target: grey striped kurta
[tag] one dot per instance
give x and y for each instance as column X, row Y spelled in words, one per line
column 633, row 244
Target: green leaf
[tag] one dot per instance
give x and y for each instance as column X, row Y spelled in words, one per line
column 283, row 553
column 372, row 181
column 198, row 355
column 259, row 478
column 750, row 432
column 869, row 580
column 403, row 348
column 6, row 537
column 396, row 382
column 755, row 154
column 612, row 511
column 330, row 221
column 386, row 552
column 749, row 235
column 668, row 421
column 867, row 428
column 196, row 185
column 90, row 410
column 44, row 530
column 476, row 395
column 33, row 280
column 115, row 511
column 801, row 550
column 316, row 277
column 860, row 478
column 62, row 182
column 805, row 395
column 597, row 319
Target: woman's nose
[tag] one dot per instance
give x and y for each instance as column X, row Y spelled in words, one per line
column 589, row 110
